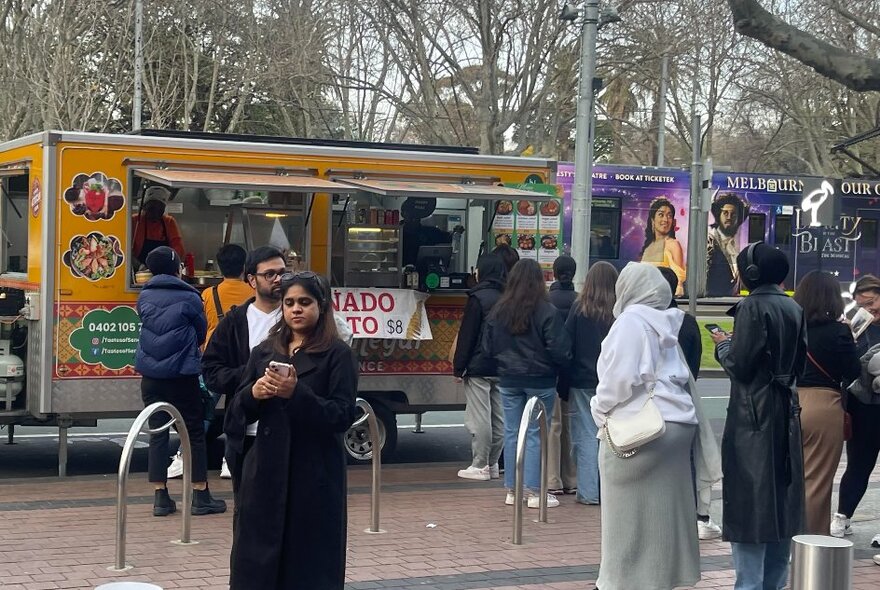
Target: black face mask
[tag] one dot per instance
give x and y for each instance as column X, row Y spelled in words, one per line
column 154, row 209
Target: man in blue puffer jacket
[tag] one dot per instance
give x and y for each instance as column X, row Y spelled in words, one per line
column 173, row 328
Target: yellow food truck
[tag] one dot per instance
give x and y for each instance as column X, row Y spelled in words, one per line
column 396, row 228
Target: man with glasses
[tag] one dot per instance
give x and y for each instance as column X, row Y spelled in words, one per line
column 218, row 301
column 239, row 332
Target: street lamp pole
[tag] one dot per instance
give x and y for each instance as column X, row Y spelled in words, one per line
column 582, row 192
column 137, row 102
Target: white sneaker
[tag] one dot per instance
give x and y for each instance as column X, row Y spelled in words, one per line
column 479, row 473
column 510, row 499
column 875, row 542
column 224, row 470
column 877, row 559
column 176, row 467
column 494, row 471
column 708, row 530
column 535, row 501
column 840, row 525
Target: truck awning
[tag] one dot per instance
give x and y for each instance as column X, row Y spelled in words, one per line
column 15, row 171
column 242, row 181
column 402, row 188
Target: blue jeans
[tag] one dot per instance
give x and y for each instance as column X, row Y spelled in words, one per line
column 761, row 566
column 513, row 401
column 585, row 445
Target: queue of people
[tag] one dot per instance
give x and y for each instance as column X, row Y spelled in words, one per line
column 800, row 386
column 621, row 353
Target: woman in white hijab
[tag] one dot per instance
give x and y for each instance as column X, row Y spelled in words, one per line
column 649, row 539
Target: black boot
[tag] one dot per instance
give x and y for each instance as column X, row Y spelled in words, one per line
column 203, row 503
column 163, row 505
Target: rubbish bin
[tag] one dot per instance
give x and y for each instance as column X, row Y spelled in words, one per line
column 821, row 563
column 128, row 586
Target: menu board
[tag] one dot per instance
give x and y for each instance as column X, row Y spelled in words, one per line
column 534, row 228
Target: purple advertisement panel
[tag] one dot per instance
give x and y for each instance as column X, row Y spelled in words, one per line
column 747, row 208
column 638, row 214
column 817, row 222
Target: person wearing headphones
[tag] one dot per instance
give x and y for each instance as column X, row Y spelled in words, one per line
column 761, row 452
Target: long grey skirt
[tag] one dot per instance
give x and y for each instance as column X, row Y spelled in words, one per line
column 649, row 516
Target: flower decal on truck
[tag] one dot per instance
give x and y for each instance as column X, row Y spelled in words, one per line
column 108, row 337
column 94, row 257
column 94, row 196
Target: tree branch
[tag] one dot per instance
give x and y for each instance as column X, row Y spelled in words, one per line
column 857, row 72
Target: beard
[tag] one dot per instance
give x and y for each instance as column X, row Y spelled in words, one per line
column 272, row 293
column 730, row 230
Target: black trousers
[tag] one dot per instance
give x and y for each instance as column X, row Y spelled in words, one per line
column 184, row 394
column 861, row 454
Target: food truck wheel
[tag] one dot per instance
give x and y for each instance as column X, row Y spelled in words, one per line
column 357, row 438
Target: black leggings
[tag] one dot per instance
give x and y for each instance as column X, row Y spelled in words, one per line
column 184, row 394
column 861, row 454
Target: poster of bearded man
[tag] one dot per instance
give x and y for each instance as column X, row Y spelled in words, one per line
column 729, row 211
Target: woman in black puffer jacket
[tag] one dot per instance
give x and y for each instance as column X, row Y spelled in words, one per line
column 173, row 328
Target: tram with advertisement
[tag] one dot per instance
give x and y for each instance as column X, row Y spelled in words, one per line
column 71, row 272
column 746, row 208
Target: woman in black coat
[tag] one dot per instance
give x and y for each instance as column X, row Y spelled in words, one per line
column 761, row 453
column 290, row 526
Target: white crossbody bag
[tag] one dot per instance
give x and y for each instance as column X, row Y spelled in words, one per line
column 625, row 435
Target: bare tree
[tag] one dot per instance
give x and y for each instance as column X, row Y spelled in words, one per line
column 849, row 67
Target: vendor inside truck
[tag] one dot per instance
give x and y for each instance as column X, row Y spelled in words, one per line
column 153, row 227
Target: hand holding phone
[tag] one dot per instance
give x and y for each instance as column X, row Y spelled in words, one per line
column 282, row 369
column 718, row 335
column 281, row 378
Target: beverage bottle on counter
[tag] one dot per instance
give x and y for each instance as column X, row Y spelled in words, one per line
column 209, row 266
column 189, row 262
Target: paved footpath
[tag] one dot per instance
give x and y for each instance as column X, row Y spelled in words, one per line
column 442, row 533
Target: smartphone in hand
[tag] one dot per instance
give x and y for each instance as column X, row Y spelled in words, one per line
column 715, row 329
column 282, row 369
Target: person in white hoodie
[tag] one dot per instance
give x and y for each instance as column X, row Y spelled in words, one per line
column 649, row 540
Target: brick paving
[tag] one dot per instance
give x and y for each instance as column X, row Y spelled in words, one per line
column 441, row 533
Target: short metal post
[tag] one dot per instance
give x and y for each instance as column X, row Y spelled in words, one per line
column 821, row 563
column 531, row 406
column 376, row 452
column 125, row 464
column 10, row 434
column 418, row 429
column 62, row 451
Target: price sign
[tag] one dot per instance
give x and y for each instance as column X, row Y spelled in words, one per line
column 383, row 313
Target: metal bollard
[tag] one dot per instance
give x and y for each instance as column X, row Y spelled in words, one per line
column 541, row 417
column 125, row 464
column 376, row 487
column 821, row 563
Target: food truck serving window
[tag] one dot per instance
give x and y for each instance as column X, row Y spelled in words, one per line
column 401, row 231
column 198, row 211
column 14, row 207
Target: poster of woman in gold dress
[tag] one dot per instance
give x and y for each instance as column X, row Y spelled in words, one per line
column 661, row 247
